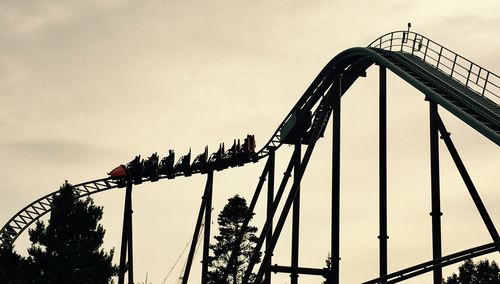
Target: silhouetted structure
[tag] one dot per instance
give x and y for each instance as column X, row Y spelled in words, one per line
column 447, row 81
column 234, row 239
column 67, row 250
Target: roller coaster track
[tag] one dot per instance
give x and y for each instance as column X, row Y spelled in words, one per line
column 425, row 267
column 467, row 90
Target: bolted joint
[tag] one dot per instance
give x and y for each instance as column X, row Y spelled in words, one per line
column 271, row 254
column 446, row 135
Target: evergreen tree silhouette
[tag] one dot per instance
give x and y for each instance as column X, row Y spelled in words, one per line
column 482, row 272
column 230, row 221
column 67, row 250
column 15, row 269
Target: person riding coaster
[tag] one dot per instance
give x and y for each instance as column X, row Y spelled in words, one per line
column 154, row 169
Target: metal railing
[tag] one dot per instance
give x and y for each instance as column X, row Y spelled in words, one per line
column 476, row 78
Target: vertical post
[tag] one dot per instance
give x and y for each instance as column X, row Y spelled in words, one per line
column 253, row 203
column 206, row 231
column 383, row 170
column 390, row 45
column 270, row 213
column 468, row 75
column 296, row 215
column 454, row 64
column 129, row 242
column 426, row 48
column 485, row 83
column 439, row 57
column 289, row 200
column 435, row 190
column 335, row 214
column 126, row 238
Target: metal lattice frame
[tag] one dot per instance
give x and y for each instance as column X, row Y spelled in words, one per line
column 35, row 210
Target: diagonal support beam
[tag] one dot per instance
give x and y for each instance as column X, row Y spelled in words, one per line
column 289, row 201
column 282, row 219
column 445, row 135
column 268, row 224
column 253, row 203
column 196, row 234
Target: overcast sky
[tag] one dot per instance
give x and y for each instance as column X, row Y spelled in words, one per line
column 86, row 85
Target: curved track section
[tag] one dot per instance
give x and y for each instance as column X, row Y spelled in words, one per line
column 35, row 210
column 428, row 266
column 462, row 87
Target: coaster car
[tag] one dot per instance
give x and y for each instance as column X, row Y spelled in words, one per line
column 231, row 156
column 200, row 162
column 118, row 172
column 248, row 149
column 184, row 165
column 135, row 169
column 151, row 167
column 248, row 144
column 166, row 166
column 216, row 159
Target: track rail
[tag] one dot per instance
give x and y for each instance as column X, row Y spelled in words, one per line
column 476, row 78
column 462, row 87
column 428, row 266
column 35, row 210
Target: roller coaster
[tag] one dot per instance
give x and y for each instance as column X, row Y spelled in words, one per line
column 445, row 78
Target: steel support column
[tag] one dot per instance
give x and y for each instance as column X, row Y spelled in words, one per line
column 468, row 182
column 435, row 190
column 283, row 216
column 267, row 224
column 294, row 276
column 269, row 213
column 126, row 244
column 335, row 214
column 206, row 230
column 196, row 234
column 251, row 208
column 383, row 171
column 129, row 241
column 288, row 202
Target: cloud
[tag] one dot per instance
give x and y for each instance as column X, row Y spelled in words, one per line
column 26, row 18
column 54, row 151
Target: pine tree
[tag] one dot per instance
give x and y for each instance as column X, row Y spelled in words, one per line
column 15, row 269
column 230, row 221
column 67, row 250
column 469, row 272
